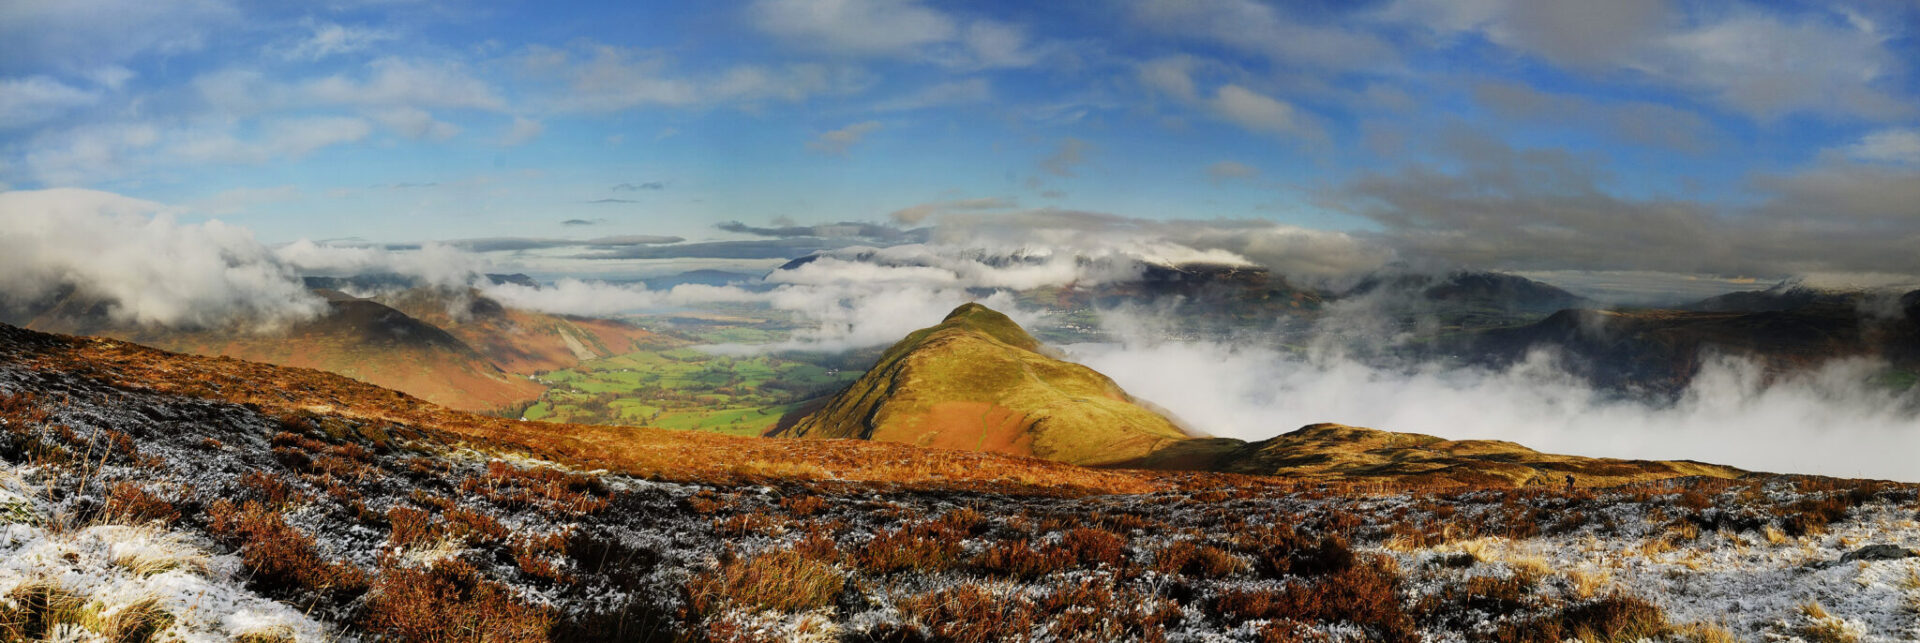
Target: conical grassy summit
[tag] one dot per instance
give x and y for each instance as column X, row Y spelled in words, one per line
column 979, row 382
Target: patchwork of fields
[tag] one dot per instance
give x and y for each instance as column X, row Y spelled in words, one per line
column 687, row 388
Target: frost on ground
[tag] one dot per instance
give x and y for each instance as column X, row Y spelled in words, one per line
column 1759, row 584
column 186, row 516
column 118, row 582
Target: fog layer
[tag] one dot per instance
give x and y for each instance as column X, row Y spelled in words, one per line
column 1830, row 421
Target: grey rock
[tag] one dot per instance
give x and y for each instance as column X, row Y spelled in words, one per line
column 1879, row 552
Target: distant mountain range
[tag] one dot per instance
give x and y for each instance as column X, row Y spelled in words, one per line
column 1659, row 351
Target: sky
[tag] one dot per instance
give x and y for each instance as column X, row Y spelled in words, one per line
column 1666, row 139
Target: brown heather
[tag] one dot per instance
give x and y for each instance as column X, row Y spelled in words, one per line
column 280, row 557
column 450, row 601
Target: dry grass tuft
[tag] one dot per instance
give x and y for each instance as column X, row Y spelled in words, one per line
column 43, row 609
column 781, row 580
column 1822, row 627
column 450, row 601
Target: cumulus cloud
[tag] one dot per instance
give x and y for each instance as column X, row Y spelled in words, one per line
column 858, row 27
column 1897, row 145
column 1259, row 112
column 1265, row 30
column 147, row 267
column 1548, row 209
column 1644, row 123
column 1829, row 60
column 432, row 264
column 1230, row 102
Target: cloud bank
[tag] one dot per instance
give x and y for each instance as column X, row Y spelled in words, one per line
column 1829, row 421
column 147, row 267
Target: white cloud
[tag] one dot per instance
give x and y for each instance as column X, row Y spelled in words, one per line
column 605, row 78
column 1263, row 30
column 278, row 139
column 1732, row 412
column 1900, row 145
column 1769, row 66
column 331, row 39
column 1172, row 75
column 78, row 155
column 80, row 36
column 897, row 29
column 434, row 264
column 399, row 81
column 522, row 131
column 31, row 100
column 1233, row 103
column 148, row 268
column 1259, row 112
column 854, row 27
column 995, row 45
column 416, row 123
column 1825, row 60
column 836, row 142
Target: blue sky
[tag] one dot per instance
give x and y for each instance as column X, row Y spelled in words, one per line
column 1526, row 135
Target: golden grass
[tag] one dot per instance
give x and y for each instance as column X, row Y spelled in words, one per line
column 1822, row 627
column 780, row 580
column 41, row 607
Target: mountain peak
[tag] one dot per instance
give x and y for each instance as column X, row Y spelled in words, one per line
column 976, row 317
column 977, row 381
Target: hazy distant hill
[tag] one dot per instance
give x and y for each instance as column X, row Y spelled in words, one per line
column 518, row 341
column 1492, row 291
column 358, row 338
column 1661, row 350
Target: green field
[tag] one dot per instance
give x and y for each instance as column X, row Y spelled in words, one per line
column 685, row 388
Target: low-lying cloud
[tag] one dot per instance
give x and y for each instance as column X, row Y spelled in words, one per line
column 1830, row 420
column 147, row 267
